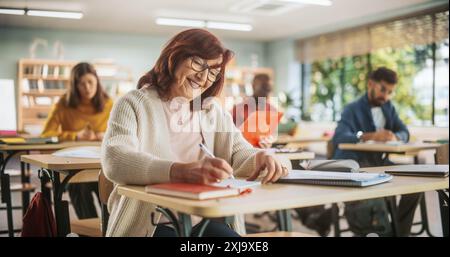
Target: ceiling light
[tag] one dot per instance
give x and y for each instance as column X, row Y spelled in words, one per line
column 42, row 13
column 55, row 14
column 12, row 11
column 316, row 2
column 228, row 26
column 180, row 22
column 203, row 24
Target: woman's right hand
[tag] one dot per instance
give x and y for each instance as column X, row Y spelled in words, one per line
column 206, row 171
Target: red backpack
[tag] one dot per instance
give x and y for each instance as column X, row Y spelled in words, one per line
column 38, row 220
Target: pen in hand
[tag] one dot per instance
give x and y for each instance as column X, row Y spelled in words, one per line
column 207, row 152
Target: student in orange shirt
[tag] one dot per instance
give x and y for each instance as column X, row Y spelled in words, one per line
column 262, row 87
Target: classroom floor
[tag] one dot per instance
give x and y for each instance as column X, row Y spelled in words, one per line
column 263, row 223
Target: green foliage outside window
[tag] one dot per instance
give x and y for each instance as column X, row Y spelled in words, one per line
column 336, row 83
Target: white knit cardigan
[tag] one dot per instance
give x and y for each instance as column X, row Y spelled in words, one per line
column 135, row 151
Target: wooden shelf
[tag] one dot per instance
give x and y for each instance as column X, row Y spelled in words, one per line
column 49, row 62
column 52, row 78
column 47, row 92
column 34, row 120
column 115, row 78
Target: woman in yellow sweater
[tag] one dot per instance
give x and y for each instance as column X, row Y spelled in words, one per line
column 81, row 114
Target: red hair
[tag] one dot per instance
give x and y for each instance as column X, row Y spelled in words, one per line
column 189, row 43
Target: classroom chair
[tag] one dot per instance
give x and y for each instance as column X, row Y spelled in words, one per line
column 85, row 227
column 105, row 187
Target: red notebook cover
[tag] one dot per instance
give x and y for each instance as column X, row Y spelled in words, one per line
column 191, row 191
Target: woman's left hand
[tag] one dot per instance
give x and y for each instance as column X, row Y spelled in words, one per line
column 274, row 168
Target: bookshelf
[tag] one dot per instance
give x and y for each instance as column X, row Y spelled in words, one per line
column 42, row 82
column 238, row 84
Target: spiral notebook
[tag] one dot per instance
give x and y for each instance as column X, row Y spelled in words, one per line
column 334, row 178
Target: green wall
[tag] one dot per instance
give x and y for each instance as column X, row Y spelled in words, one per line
column 138, row 52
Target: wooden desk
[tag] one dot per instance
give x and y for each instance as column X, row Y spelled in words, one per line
column 284, row 139
column 52, row 169
column 50, row 162
column 409, row 148
column 8, row 151
column 39, row 147
column 283, row 196
column 298, row 156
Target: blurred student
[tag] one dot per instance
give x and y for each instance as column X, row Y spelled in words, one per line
column 81, row 115
column 373, row 118
column 259, row 101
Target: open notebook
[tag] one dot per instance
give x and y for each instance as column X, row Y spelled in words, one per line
column 227, row 187
column 240, row 184
column 334, row 178
column 92, row 152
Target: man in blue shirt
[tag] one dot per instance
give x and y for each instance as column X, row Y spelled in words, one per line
column 373, row 118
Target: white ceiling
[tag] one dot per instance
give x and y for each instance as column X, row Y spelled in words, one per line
column 138, row 16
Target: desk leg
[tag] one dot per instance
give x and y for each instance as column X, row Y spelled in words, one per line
column 443, row 203
column 185, row 223
column 6, row 191
column 416, row 159
column 61, row 207
column 6, row 198
column 392, row 205
column 203, row 224
column 336, row 219
column 284, row 220
column 25, row 194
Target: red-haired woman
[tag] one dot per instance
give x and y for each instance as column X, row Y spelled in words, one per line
column 153, row 138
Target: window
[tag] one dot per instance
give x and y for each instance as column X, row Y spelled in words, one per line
column 416, row 48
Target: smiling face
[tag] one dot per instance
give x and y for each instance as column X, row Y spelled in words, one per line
column 87, row 87
column 194, row 75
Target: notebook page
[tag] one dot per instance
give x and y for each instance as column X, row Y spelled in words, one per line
column 92, row 152
column 237, row 183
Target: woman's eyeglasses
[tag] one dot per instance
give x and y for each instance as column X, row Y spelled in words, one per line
column 199, row 65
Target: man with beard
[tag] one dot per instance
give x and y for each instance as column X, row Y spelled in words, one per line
column 373, row 118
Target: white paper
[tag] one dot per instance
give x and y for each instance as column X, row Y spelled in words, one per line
column 92, row 152
column 237, row 183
